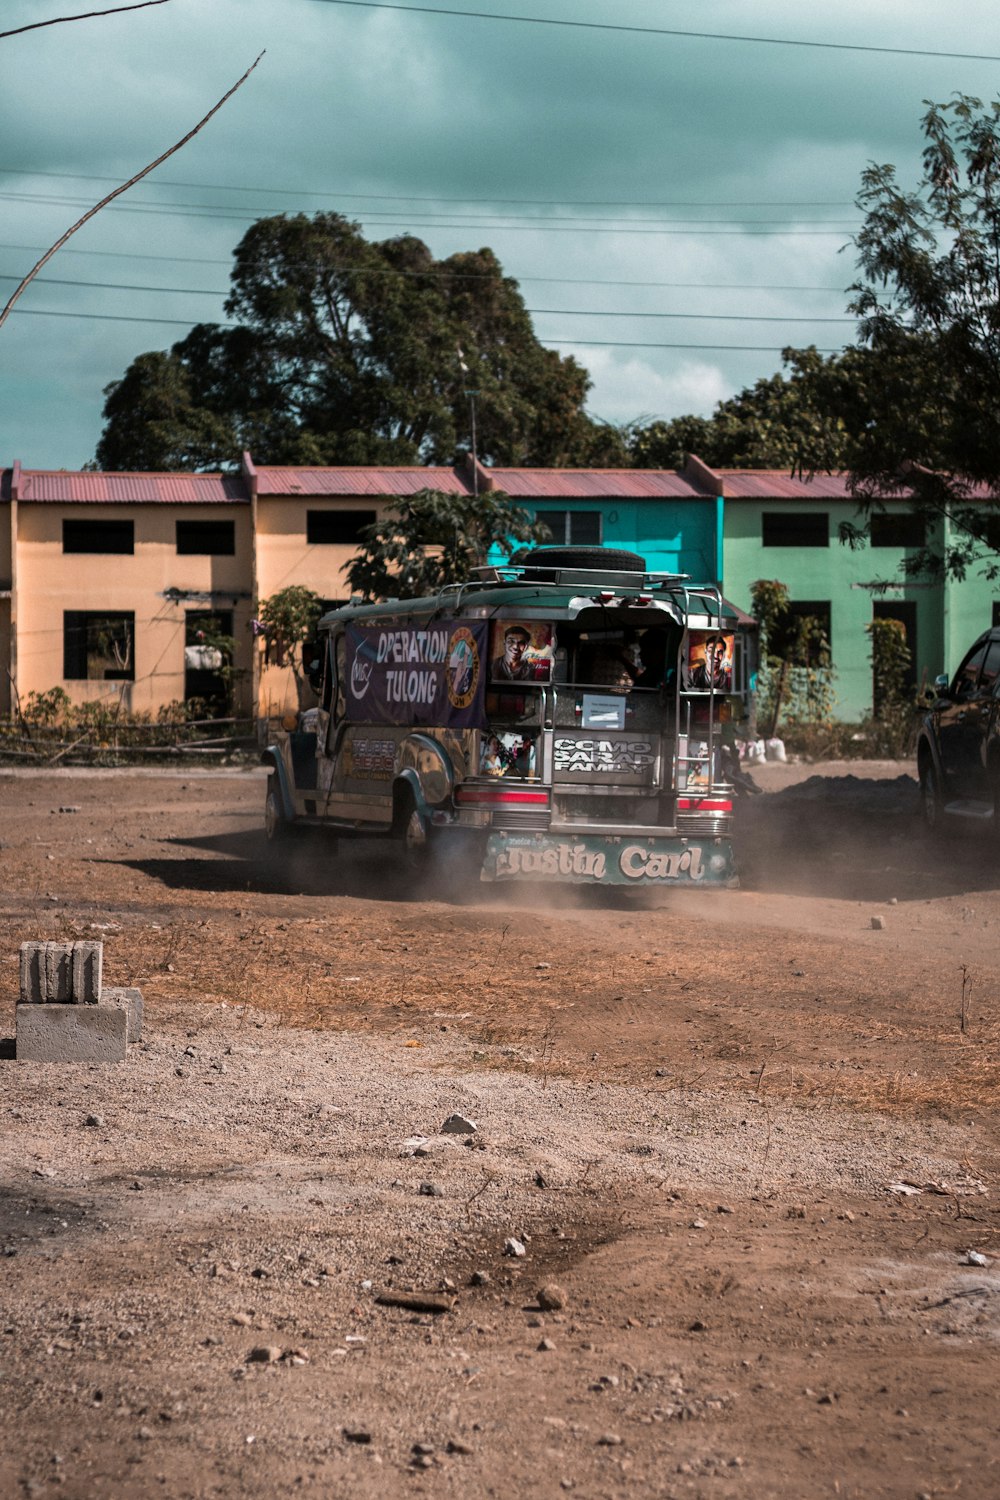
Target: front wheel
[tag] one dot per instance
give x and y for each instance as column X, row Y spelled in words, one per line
column 931, row 802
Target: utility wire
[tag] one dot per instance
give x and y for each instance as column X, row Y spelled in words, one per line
column 38, row 312
column 86, row 16
column 196, row 260
column 704, row 36
column 556, row 312
column 196, row 211
column 340, row 194
column 442, row 220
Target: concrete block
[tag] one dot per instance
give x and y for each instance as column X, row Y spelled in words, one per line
column 131, row 998
column 71, row 1033
column 61, row 973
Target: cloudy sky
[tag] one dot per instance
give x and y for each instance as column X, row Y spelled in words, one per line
column 675, row 207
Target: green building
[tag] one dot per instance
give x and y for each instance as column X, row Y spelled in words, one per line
column 778, row 527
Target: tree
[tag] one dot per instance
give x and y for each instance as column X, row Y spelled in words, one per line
column 432, row 539
column 928, row 300
column 804, row 421
column 347, row 351
column 288, row 620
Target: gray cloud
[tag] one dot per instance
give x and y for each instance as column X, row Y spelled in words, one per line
column 353, row 102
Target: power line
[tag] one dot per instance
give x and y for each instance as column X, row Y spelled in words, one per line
column 340, row 194
column 556, row 312
column 443, row 220
column 86, row 16
column 703, row 36
column 200, row 260
column 731, row 348
column 196, row 211
column 37, row 312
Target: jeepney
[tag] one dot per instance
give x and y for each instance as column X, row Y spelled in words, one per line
column 571, row 711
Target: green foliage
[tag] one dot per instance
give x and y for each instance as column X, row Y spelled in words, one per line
column 347, row 352
column 47, row 709
column 289, row 618
column 928, row 300
column 101, row 731
column 795, row 676
column 803, row 421
column 891, row 729
column 432, row 539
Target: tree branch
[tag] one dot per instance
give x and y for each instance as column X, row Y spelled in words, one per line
column 86, row 16
column 124, row 188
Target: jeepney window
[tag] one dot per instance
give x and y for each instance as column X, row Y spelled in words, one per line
column 617, row 660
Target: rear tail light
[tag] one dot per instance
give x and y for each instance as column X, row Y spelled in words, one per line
column 470, row 795
column 705, row 804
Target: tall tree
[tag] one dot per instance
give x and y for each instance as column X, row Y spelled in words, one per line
column 928, row 300
column 803, row 421
column 431, row 539
column 347, row 351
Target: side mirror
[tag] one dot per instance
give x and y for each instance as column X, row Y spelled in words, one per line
column 941, row 683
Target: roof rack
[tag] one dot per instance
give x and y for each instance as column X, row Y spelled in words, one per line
column 559, row 577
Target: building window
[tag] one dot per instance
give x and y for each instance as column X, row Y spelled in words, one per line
column 795, row 528
column 98, row 646
column 996, row 613
column 325, row 528
column 898, row 529
column 98, row 536
column 905, row 611
column 206, row 538
column 572, row 528
column 807, row 626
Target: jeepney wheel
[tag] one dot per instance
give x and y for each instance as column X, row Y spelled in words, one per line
column 413, row 833
column 275, row 823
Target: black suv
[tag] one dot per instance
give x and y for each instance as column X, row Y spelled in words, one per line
column 958, row 751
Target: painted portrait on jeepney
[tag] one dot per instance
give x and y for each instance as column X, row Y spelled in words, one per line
column 521, row 651
column 507, row 754
column 710, row 662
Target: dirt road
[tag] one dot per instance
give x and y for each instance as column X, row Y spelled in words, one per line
column 750, row 1137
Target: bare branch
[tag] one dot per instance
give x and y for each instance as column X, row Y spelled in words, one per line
column 86, row 16
column 124, row 188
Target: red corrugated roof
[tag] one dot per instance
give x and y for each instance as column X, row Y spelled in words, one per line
column 778, row 484
column 49, row 486
column 595, row 484
column 366, row 480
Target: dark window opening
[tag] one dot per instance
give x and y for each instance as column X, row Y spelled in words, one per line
column 206, row 538
column 905, row 611
column 996, row 613
column 795, row 528
column 572, row 528
column 208, row 658
column 98, row 536
column 898, row 529
column 342, row 528
column 98, row 647
column 807, row 636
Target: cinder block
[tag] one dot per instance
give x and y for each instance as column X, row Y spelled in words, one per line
column 71, row 1033
column 131, row 998
column 61, row 973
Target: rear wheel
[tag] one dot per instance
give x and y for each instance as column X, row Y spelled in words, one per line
column 931, row 803
column 276, row 827
column 413, row 832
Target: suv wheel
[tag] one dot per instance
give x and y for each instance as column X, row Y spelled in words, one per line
column 931, row 803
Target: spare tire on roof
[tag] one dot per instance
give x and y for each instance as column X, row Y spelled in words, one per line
column 596, row 559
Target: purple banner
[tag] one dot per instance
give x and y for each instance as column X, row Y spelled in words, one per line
column 431, row 674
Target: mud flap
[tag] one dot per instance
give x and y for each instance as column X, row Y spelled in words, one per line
column 597, row 859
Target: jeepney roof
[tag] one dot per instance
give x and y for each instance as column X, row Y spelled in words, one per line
column 697, row 605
